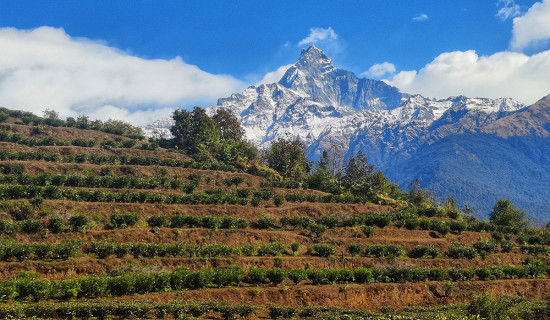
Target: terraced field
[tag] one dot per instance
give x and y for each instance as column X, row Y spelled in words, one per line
column 95, row 224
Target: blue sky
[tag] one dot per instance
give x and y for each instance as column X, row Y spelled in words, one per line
column 138, row 60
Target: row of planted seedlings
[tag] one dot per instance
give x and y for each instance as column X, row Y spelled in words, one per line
column 22, row 209
column 114, row 159
column 104, row 181
column 107, row 143
column 211, row 196
column 27, row 286
column 82, row 122
column 66, row 249
column 481, row 306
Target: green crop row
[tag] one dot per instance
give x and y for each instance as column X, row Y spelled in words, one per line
column 82, row 122
column 92, row 181
column 113, row 160
column 23, row 251
column 26, row 286
column 105, row 248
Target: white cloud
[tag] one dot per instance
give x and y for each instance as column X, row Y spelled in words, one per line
column 420, row 17
column 317, row 35
column 508, row 9
column 274, row 76
column 380, row 69
column 533, row 28
column 46, row 68
column 503, row 74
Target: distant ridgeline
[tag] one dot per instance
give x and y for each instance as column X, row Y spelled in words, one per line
column 475, row 150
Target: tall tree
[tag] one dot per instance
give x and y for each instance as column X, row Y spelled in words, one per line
column 194, row 131
column 504, row 214
column 229, row 125
column 288, row 157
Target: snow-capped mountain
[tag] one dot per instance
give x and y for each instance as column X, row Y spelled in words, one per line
column 334, row 110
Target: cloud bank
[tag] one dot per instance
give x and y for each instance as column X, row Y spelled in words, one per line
column 508, row 9
column 421, row 17
column 525, row 77
column 532, row 30
column 504, row 74
column 380, row 69
column 318, row 35
column 46, row 68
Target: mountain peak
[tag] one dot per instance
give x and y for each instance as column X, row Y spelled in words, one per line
column 314, row 59
column 313, row 64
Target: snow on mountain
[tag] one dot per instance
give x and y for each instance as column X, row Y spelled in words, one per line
column 323, row 106
column 332, row 109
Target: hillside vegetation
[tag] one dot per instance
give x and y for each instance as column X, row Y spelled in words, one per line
column 97, row 222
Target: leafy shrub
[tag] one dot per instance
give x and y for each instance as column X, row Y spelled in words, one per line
column 330, row 221
column 385, row 250
column 278, row 200
column 363, row 275
column 157, row 221
column 67, row 249
column 506, row 246
column 485, row 246
column 487, row 307
column 323, row 249
column 78, row 221
column 424, row 252
column 282, row 312
column 31, row 226
column 257, row 276
column 225, row 276
column 441, row 226
column 264, row 222
column 123, row 220
column 368, row 231
column 318, row 229
column 294, row 247
column 276, row 275
column 378, row 219
column 56, row 225
column 460, row 251
column 355, row 249
column 273, row 248
column 19, row 209
column 297, row 275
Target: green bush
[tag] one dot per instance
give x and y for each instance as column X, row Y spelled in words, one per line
column 67, row 249
column 294, row 246
column 56, row 225
column 157, row 221
column 225, row 276
column 278, row 200
column 368, row 231
column 363, row 275
column 485, row 246
column 31, row 226
column 273, row 248
column 276, row 276
column 487, row 307
column 257, row 276
column 318, row 229
column 122, row 220
column 424, row 252
column 297, row 275
column 264, row 222
column 385, row 250
column 506, row 246
column 355, row 249
column 460, row 251
column 330, row 221
column 323, row 249
column 282, row 312
column 79, row 221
